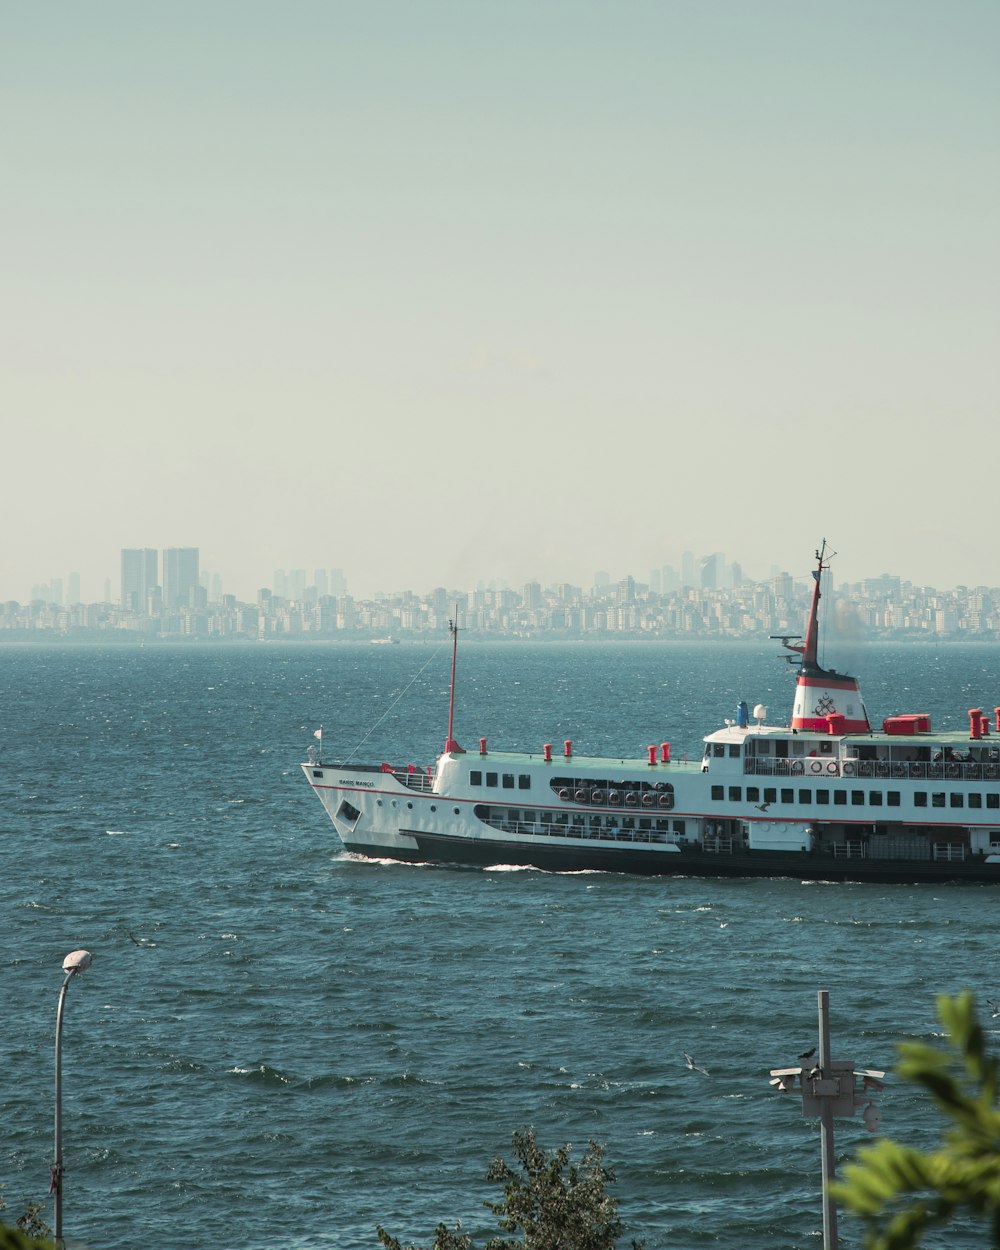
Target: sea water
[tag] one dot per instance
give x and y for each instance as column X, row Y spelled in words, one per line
column 279, row 1046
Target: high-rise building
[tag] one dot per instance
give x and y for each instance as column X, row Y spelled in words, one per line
column 138, row 577
column 180, row 576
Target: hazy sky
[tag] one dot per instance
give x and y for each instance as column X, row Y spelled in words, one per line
column 439, row 292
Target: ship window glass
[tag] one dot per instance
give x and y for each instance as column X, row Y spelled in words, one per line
column 508, row 781
column 823, row 796
column 753, row 794
column 679, row 827
column 839, row 798
column 805, row 796
column 762, row 748
column 957, row 800
column 993, row 800
column 893, row 798
column 920, row 798
column 318, row 772
column 476, row 777
column 770, row 795
column 875, row 798
column 937, row 798
column 734, row 751
column 523, row 781
column 826, row 748
column 491, row 779
column 735, row 794
column 857, row 798
column 788, row 796
column 719, row 750
column 718, row 792
column 975, row 800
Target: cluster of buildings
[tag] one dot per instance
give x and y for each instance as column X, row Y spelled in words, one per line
column 168, row 596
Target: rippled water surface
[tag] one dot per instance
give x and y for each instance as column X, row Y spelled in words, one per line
column 279, row 1046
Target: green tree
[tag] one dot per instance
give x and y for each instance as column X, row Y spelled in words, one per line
column 902, row 1192
column 549, row 1203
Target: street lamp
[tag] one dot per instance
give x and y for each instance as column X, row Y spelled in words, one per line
column 830, row 1087
column 75, row 961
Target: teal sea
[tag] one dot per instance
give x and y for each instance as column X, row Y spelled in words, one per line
column 279, row 1046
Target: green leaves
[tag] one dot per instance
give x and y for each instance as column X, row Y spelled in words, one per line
column 902, row 1192
column 549, row 1202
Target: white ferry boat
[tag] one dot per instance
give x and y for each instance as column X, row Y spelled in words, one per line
column 825, row 797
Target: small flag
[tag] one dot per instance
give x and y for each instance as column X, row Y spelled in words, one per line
column 318, row 733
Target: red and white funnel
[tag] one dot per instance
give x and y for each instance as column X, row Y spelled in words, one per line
column 825, row 701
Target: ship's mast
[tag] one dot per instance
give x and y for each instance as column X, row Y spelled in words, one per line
column 825, row 701
column 451, row 746
column 810, row 648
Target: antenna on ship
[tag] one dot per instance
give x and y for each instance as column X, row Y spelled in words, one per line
column 451, row 746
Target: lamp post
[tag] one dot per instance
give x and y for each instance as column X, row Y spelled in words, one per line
column 75, row 961
column 830, row 1087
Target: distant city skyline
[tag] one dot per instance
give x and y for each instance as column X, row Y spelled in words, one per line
column 140, row 576
column 439, row 293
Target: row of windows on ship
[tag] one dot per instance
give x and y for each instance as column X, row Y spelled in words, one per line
column 805, row 797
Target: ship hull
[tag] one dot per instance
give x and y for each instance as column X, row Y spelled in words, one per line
column 458, row 851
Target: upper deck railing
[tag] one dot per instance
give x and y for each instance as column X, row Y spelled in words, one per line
column 816, row 769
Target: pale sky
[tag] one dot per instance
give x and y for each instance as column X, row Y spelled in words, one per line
column 440, row 293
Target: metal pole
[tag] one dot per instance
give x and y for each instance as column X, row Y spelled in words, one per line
column 826, row 1125
column 55, row 1185
column 75, row 961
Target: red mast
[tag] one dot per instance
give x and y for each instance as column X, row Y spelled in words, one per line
column 451, row 746
column 810, row 648
column 825, row 701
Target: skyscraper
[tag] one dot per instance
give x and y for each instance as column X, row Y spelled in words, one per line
column 138, row 577
column 180, row 576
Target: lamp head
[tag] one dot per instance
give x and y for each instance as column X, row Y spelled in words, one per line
column 77, row 961
column 872, row 1117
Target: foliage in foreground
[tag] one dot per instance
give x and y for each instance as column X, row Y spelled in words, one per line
column 550, row 1201
column 902, row 1193
column 14, row 1239
column 31, row 1233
